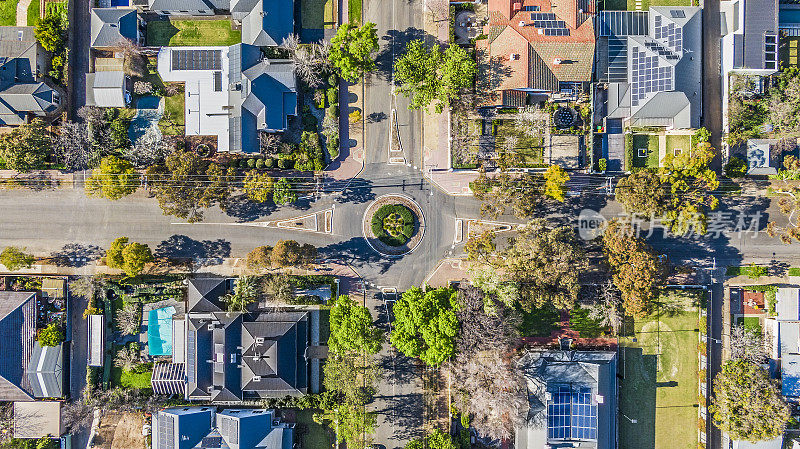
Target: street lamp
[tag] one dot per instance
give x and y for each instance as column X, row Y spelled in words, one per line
column 633, row 421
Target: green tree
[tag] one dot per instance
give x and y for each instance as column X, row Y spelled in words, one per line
column 747, row 403
column 637, row 271
column 426, row 325
column 259, row 258
column 52, row 335
column 114, row 179
column 690, row 182
column 136, row 256
column 352, row 328
column 14, row 258
column 258, row 186
column 351, row 50
column 283, row 193
column 186, row 184
column 435, row 440
column 46, row 443
column 114, row 257
column 244, row 293
column 50, row 32
column 427, row 75
column 642, row 194
column 26, row 147
column 555, row 180
column 289, row 253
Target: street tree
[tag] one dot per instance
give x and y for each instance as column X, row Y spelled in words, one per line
column 425, row 324
column 289, row 253
column 131, row 257
column 282, row 192
column 428, row 75
column 258, row 186
column 690, row 181
column 351, row 50
column 73, row 147
column 113, row 179
column 259, row 258
column 352, row 328
column 636, row 269
column 642, row 194
column 25, row 148
column 127, row 319
column 186, row 184
column 555, row 181
column 15, row 258
column 748, row 344
column 748, row 404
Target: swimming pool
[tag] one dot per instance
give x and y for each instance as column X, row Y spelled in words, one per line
column 159, row 331
column 148, row 112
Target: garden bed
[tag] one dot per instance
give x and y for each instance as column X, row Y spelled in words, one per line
column 395, row 246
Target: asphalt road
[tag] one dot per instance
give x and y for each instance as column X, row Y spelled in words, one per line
column 712, row 79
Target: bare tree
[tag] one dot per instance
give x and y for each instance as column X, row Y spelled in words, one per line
column 82, row 286
column 91, row 114
column 748, row 344
column 310, row 60
column 290, row 43
column 269, row 143
column 278, row 287
column 150, row 148
column 439, row 10
column 128, row 357
column 74, row 148
column 532, row 121
column 127, row 319
column 607, row 309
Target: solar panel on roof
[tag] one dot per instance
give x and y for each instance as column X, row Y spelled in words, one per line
column 571, row 414
column 531, row 8
column 196, row 59
column 677, row 14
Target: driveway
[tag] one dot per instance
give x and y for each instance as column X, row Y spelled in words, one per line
column 712, row 79
column 78, row 35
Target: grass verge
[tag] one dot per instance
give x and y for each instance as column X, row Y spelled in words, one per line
column 8, row 13
column 33, row 13
column 313, row 435
column 354, row 11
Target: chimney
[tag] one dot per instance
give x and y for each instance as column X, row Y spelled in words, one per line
column 513, row 57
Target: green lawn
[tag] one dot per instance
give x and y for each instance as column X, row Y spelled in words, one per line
column 683, row 142
column 175, row 110
column 354, row 11
column 317, row 14
column 314, row 436
column 659, row 387
column 649, row 141
column 33, row 13
column 175, row 33
column 324, row 325
column 528, row 151
column 579, row 320
column 752, row 271
column 752, row 323
column 794, row 271
column 539, row 322
column 8, row 12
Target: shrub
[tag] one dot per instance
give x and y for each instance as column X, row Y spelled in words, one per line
column 285, row 164
column 602, row 164
column 333, row 95
column 333, row 80
column 14, row 258
column 309, row 122
column 355, row 116
column 260, row 163
column 52, row 335
column 379, row 230
column 251, row 163
column 269, row 162
column 735, row 168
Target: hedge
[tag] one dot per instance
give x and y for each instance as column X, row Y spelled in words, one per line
column 408, row 227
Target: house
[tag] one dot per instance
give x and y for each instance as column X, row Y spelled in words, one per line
column 203, row 427
column 110, row 26
column 38, row 419
column 537, row 49
column 107, row 89
column 233, row 92
column 775, row 443
column 652, row 65
column 232, row 357
column 23, row 92
column 27, row 370
column 573, row 399
column 787, row 327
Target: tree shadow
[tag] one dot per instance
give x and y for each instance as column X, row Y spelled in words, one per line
column 359, row 191
column 398, row 369
column 183, row 247
column 75, row 255
column 376, row 117
column 405, row 412
column 357, row 252
column 244, row 209
column 396, row 42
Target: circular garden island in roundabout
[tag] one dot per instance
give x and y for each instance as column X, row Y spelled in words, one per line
column 393, row 225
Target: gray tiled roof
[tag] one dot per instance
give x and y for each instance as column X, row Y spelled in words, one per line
column 111, row 25
column 45, row 371
column 17, row 332
column 761, row 16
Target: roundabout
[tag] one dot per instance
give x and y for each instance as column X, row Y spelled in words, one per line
column 393, row 225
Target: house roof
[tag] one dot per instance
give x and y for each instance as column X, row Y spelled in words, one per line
column 186, row 5
column 20, row 91
column 181, row 427
column 45, row 371
column 109, row 26
column 37, row 419
column 268, row 22
column 790, row 375
column 786, row 299
column 760, row 19
column 522, row 56
column 228, row 429
column 105, row 89
column 18, row 334
column 554, row 376
column 204, row 294
column 96, row 340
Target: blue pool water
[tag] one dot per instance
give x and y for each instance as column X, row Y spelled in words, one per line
column 119, row 3
column 159, row 331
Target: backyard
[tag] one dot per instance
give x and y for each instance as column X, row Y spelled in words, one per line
column 527, row 151
column 176, row 33
column 648, row 142
column 173, row 120
column 659, row 387
column 318, row 14
column 752, row 323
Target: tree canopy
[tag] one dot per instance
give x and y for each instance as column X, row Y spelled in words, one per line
column 14, row 258
column 636, row 269
column 352, row 328
column 131, row 257
column 114, row 179
column 642, row 194
column 748, row 404
column 690, row 182
column 52, row 335
column 555, row 181
column 430, row 74
column 185, row 184
column 425, row 324
column 282, row 192
column 50, row 33
column 289, row 253
column 258, row 186
column 351, row 50
column 26, row 147
column 434, row 440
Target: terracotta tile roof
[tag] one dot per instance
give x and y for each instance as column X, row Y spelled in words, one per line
column 507, row 37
